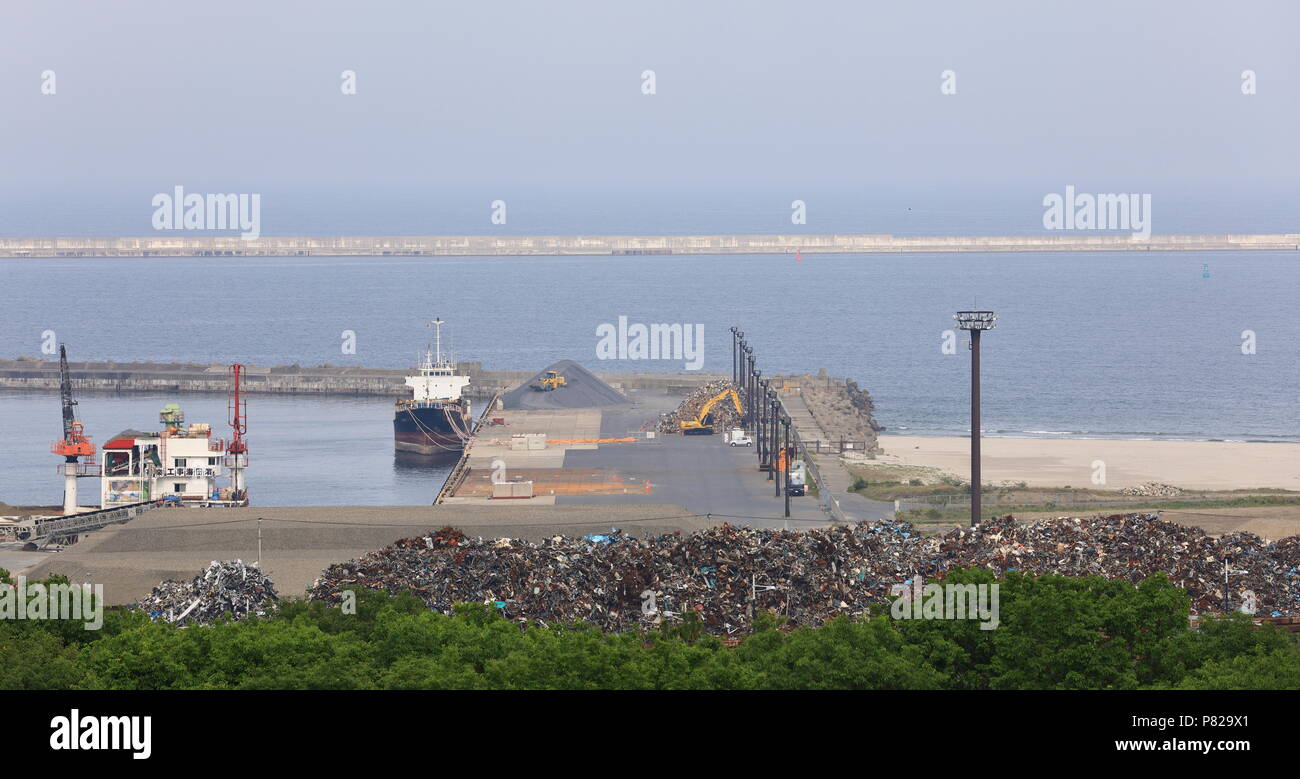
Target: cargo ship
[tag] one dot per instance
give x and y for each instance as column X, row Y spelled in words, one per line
column 435, row 420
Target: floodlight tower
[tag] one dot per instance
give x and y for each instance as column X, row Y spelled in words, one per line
column 975, row 322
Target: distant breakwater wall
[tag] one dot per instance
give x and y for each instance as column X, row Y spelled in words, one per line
column 31, row 374
column 165, row 245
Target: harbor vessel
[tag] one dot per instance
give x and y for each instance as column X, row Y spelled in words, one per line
column 436, row 419
column 181, row 464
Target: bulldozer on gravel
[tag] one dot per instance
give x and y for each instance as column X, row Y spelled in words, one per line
column 550, row 382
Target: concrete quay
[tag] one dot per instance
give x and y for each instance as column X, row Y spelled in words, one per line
column 33, row 374
column 170, row 245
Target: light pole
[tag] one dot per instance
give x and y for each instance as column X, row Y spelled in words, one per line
column 774, row 448
column 748, row 367
column 975, row 322
column 789, row 462
column 736, row 335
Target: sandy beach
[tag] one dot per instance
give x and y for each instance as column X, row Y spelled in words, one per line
column 1041, row 462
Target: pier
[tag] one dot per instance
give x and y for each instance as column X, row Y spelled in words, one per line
column 33, row 374
column 171, row 245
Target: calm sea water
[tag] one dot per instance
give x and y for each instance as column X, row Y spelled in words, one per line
column 1129, row 345
column 302, row 452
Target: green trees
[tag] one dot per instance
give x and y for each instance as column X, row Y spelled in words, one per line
column 1053, row 632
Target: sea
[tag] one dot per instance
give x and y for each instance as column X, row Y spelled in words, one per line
column 1176, row 346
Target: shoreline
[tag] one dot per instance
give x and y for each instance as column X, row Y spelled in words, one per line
column 1156, row 438
column 1061, row 462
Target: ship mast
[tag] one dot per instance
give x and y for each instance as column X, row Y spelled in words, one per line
column 438, row 364
column 437, row 339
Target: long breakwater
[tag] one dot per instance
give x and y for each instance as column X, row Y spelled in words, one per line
column 556, row 245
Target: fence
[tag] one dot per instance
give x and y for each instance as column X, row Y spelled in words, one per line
column 1063, row 499
column 837, row 447
column 828, row 504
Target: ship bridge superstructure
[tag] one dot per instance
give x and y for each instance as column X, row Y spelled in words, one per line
column 436, row 379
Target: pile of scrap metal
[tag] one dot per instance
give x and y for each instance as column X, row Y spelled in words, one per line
column 722, row 574
column 723, row 414
column 1152, row 489
column 222, row 588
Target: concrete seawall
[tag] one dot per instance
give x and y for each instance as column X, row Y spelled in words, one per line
column 173, row 245
column 30, row 374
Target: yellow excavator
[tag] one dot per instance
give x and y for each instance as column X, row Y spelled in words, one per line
column 551, row 381
column 702, row 424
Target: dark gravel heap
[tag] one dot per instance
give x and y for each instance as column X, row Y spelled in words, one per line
column 583, row 390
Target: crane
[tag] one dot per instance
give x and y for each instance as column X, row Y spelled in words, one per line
column 75, row 444
column 237, row 449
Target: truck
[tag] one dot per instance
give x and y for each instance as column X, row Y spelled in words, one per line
column 798, row 478
column 738, row 437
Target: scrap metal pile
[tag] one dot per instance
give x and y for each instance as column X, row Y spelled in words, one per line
column 724, row 412
column 1152, row 489
column 222, row 587
column 619, row 582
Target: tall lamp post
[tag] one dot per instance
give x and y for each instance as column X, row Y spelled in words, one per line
column 975, row 322
column 737, row 336
column 789, row 461
column 748, row 365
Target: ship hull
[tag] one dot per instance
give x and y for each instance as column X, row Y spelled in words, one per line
column 430, row 428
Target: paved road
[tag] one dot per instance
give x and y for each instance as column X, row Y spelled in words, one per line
column 850, row 505
column 700, row 473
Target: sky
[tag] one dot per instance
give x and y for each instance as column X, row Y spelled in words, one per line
column 461, row 102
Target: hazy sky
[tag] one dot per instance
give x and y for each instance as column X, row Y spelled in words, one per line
column 244, row 96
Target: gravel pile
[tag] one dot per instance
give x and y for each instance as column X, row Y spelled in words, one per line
column 610, row 580
column 222, row 587
column 583, row 390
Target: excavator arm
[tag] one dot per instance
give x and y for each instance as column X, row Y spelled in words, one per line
column 701, row 421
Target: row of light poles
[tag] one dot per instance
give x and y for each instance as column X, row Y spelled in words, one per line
column 764, row 415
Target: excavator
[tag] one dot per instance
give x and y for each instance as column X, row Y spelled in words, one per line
column 702, row 424
column 549, row 382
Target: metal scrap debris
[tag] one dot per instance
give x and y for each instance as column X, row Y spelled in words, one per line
column 222, row 587
column 724, row 574
column 724, row 414
column 1152, row 489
